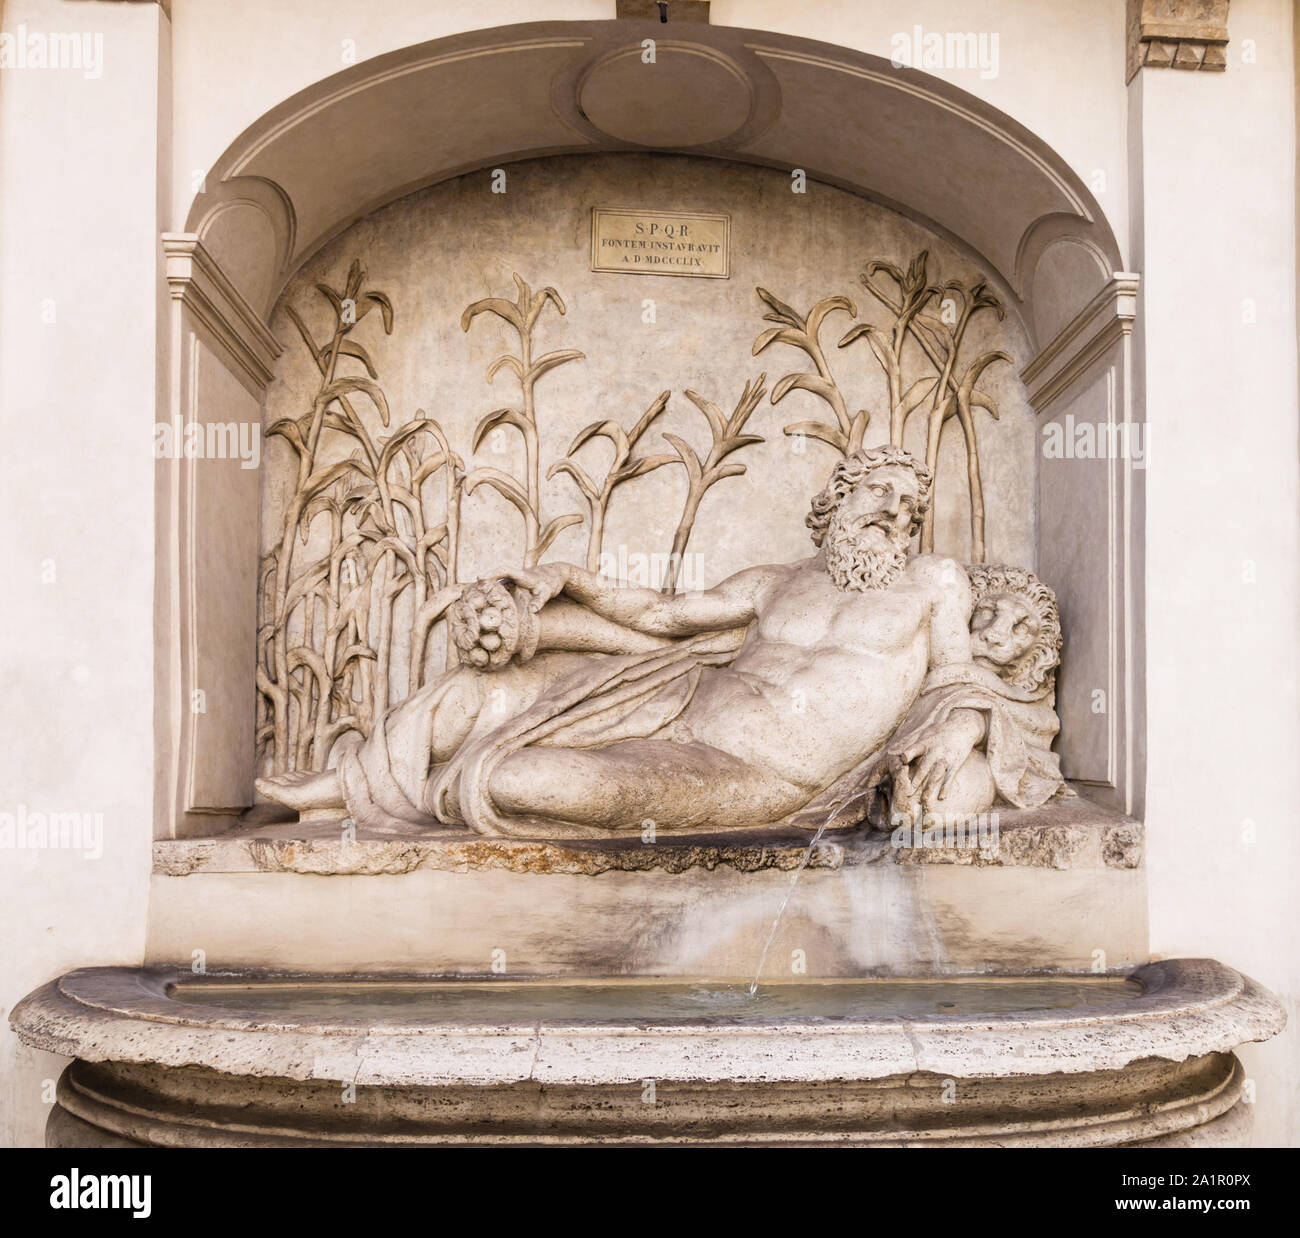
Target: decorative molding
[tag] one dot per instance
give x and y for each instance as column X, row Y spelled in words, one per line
column 1062, row 834
column 256, row 193
column 782, row 69
column 377, row 72
column 928, row 90
column 200, row 285
column 1177, row 34
column 1106, row 318
column 1097, row 343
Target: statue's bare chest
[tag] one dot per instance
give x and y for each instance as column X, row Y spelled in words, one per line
column 819, row 616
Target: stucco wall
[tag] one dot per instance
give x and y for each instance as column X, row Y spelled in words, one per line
column 79, row 315
column 1223, row 595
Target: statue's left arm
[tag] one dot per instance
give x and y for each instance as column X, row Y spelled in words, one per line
column 930, row 763
column 950, row 607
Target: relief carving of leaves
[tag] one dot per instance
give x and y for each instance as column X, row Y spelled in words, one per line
column 688, row 458
column 394, row 443
column 806, row 382
column 642, row 466
column 370, row 299
column 779, row 311
column 553, row 528
column 350, row 348
column 500, row 417
column 344, row 386
column 713, row 414
column 550, row 360
column 580, row 478
column 492, row 305
column 503, row 484
column 819, row 430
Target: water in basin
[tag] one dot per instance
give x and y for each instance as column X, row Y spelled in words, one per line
column 646, row 1001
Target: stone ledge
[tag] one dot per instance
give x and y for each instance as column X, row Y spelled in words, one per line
column 1187, row 1008
column 155, row 1069
column 1064, row 834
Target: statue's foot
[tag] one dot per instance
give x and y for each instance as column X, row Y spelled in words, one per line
column 304, row 790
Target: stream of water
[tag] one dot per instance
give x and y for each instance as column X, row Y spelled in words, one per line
column 794, row 881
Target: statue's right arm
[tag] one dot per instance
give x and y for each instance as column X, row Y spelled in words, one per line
column 730, row 604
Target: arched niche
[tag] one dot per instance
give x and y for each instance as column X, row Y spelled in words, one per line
column 352, row 143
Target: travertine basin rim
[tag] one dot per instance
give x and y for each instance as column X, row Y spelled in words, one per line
column 1189, row 1008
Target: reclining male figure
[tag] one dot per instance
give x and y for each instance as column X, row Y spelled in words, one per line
column 837, row 648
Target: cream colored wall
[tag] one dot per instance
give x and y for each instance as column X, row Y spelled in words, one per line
column 1217, row 168
column 234, row 60
column 1060, row 66
column 79, row 225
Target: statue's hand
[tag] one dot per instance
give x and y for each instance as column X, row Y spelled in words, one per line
column 542, row 583
column 495, row 620
column 927, row 766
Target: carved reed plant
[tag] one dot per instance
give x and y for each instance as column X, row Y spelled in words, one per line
column 346, row 633
column 950, row 390
column 623, row 468
column 522, row 315
column 727, row 437
column 326, row 643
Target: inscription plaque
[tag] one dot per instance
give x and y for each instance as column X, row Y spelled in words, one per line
column 660, row 242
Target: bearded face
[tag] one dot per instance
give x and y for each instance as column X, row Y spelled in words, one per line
column 866, row 543
column 859, row 561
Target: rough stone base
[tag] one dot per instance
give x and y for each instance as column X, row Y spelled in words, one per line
column 117, row 1105
column 1061, row 889
column 1062, row 834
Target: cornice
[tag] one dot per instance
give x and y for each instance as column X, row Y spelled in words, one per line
column 199, row 284
column 1108, row 317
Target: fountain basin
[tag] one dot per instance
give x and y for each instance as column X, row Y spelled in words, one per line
column 168, row 1058
column 615, row 1003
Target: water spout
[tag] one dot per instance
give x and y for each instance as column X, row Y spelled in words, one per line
column 794, row 881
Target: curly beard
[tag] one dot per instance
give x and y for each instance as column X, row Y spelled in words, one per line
column 858, row 567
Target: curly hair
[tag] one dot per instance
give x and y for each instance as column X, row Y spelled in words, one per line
column 1036, row 669
column 851, row 470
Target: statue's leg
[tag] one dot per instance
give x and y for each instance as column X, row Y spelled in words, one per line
column 303, row 789
column 446, row 711
column 624, row 785
column 429, row 726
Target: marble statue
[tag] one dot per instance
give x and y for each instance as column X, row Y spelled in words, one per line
column 980, row 733
column 586, row 708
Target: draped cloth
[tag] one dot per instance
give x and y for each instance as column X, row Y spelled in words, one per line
column 583, row 701
column 1020, row 726
column 588, row 703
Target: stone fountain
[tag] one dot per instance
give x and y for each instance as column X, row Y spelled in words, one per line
column 750, row 849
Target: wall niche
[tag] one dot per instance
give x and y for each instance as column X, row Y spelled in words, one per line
column 414, row 438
